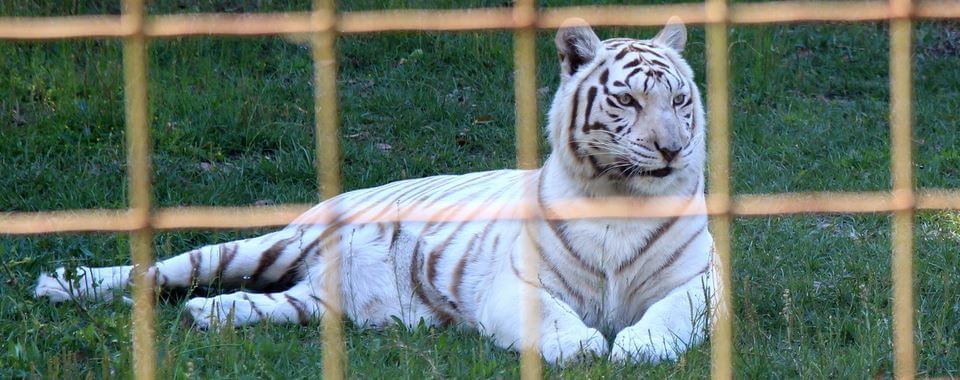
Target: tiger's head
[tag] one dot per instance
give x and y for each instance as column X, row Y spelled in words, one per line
column 627, row 117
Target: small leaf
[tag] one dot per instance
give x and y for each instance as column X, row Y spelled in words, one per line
column 483, row 119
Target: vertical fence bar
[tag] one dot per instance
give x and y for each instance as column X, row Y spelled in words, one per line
column 328, row 174
column 721, row 341
column 525, row 92
column 325, row 93
column 901, row 165
column 139, row 191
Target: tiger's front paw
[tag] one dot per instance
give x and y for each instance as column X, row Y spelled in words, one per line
column 573, row 346
column 644, row 343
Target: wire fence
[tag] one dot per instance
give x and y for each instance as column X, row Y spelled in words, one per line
column 324, row 24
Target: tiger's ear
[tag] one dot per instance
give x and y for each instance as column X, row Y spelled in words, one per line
column 577, row 44
column 673, row 35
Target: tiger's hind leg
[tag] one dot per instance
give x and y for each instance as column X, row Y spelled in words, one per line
column 367, row 290
column 258, row 263
column 299, row 304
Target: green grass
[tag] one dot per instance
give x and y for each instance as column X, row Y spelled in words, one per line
column 232, row 124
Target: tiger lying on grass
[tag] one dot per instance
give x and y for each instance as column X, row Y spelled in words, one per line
column 626, row 121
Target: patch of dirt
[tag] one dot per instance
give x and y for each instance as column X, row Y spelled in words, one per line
column 945, row 42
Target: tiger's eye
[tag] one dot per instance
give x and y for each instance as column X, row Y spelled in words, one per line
column 625, row 99
column 679, row 99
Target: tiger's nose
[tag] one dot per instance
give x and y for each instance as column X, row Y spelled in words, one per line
column 668, row 152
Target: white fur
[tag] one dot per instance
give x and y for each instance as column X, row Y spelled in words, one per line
column 645, row 282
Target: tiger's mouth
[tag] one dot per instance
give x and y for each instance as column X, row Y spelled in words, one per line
column 659, row 173
column 634, row 171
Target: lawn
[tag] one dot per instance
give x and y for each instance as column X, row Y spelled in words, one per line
column 232, row 124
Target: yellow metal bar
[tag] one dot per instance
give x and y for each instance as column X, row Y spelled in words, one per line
column 525, row 89
column 325, row 88
column 203, row 217
column 164, row 26
column 328, row 175
column 939, row 9
column 947, row 199
column 138, row 178
column 799, row 203
column 44, row 28
column 721, row 341
column 901, row 164
column 525, row 92
column 244, row 24
column 778, row 12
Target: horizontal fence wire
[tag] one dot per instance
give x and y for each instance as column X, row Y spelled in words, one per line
column 244, row 217
column 324, row 24
column 280, row 23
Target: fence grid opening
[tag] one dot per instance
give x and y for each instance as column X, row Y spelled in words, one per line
column 324, row 24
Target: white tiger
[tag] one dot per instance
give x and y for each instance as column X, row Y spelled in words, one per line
column 627, row 120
